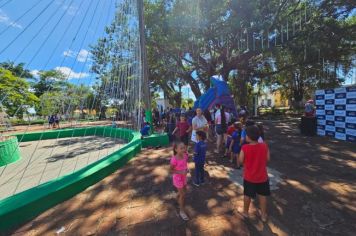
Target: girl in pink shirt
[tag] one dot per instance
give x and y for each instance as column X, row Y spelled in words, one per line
column 179, row 169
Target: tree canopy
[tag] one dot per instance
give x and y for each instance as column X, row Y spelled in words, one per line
column 277, row 43
column 16, row 94
column 48, row 93
column 293, row 46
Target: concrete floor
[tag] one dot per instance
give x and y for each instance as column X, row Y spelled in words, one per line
column 45, row 160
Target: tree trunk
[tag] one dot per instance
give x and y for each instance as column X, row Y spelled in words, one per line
column 170, row 94
column 179, row 96
column 297, row 103
column 194, row 86
column 241, row 93
column 225, row 73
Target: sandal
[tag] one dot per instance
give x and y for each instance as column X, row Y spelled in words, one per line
column 264, row 219
column 244, row 215
column 183, row 215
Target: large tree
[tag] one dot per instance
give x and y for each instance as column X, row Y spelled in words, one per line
column 16, row 96
column 206, row 38
column 52, row 80
column 17, row 70
column 251, row 38
column 314, row 57
column 67, row 100
column 260, row 41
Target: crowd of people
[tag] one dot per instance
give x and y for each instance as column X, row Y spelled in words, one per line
column 236, row 138
column 53, row 121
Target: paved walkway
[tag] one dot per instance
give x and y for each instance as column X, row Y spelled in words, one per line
column 316, row 195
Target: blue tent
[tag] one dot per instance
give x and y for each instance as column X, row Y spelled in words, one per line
column 219, row 93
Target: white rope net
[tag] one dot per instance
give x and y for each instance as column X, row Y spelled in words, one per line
column 78, row 90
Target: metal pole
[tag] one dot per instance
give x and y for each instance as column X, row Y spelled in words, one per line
column 146, row 89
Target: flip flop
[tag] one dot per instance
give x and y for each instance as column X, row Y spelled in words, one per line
column 183, row 216
column 264, row 219
column 244, row 215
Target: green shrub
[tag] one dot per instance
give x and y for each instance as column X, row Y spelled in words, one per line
column 15, row 121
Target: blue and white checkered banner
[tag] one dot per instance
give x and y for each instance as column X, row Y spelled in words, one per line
column 336, row 113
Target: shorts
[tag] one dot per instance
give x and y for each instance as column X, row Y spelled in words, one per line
column 219, row 129
column 251, row 189
column 228, row 142
column 184, row 139
column 179, row 181
column 236, row 149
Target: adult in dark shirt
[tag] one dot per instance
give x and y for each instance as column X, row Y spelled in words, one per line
column 171, row 125
column 184, row 129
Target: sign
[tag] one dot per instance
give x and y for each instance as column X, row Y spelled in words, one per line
column 336, row 113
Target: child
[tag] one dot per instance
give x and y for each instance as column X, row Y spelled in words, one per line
column 243, row 132
column 235, row 145
column 145, row 131
column 254, row 157
column 199, row 157
column 179, row 169
column 50, row 121
column 230, row 131
column 262, row 132
column 184, row 128
column 56, row 121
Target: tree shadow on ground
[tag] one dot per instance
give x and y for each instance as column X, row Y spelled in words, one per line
column 139, row 199
column 86, row 144
column 317, row 193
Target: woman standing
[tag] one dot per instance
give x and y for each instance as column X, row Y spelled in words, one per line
column 221, row 118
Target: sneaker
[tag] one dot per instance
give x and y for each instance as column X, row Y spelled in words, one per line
column 202, row 183
column 183, row 215
column 195, row 184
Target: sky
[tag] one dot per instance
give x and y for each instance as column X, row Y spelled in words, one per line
column 56, row 34
column 53, row 34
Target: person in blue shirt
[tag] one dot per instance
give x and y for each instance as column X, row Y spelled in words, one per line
column 243, row 132
column 199, row 158
column 235, row 145
column 145, row 131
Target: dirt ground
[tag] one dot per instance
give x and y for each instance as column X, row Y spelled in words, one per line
column 315, row 196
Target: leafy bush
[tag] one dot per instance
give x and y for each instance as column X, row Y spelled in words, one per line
column 26, row 122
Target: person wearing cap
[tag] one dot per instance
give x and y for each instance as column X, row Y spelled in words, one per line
column 309, row 109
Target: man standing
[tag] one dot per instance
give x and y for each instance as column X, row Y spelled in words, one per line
column 199, row 123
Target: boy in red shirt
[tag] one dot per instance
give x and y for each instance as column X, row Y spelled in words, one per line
column 254, row 156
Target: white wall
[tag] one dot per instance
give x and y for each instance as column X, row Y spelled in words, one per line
column 263, row 100
column 162, row 103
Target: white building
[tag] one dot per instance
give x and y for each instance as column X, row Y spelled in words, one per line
column 162, row 104
column 271, row 99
